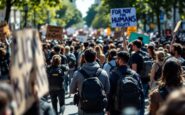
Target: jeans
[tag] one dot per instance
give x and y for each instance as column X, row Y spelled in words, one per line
column 60, row 94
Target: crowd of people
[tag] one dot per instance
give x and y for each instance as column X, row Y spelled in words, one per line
column 107, row 76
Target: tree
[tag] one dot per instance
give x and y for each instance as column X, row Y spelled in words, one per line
column 91, row 14
column 102, row 18
column 20, row 4
column 68, row 15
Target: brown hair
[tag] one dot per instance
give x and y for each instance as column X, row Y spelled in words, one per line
column 171, row 73
column 160, row 56
column 56, row 60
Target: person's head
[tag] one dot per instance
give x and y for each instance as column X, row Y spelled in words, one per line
column 92, row 45
column 89, row 55
column 177, row 49
column 67, row 49
column 171, row 73
column 86, row 45
column 57, row 49
column 160, row 56
column 112, row 54
column 175, row 104
column 56, row 60
column 151, row 51
column 140, row 38
column 136, row 45
column 98, row 50
column 71, row 49
column 111, row 46
column 62, row 50
column 122, row 58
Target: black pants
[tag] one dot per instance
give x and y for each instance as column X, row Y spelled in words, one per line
column 60, row 94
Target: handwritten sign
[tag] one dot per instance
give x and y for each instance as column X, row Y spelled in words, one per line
column 27, row 69
column 123, row 17
column 54, row 32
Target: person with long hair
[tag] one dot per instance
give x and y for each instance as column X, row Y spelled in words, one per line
column 100, row 54
column 151, row 51
column 171, row 79
column 157, row 68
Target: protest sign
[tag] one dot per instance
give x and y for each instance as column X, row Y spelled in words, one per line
column 134, row 36
column 177, row 26
column 27, row 69
column 175, row 32
column 82, row 36
column 131, row 29
column 54, row 32
column 4, row 30
column 123, row 17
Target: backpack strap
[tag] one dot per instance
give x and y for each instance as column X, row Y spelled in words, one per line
column 86, row 75
column 163, row 91
column 110, row 65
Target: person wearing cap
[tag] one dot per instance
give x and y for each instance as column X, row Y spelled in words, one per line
column 122, row 67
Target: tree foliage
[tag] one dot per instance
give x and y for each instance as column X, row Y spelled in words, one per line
column 145, row 9
column 61, row 12
column 91, row 14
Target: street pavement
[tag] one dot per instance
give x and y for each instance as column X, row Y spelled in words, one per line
column 70, row 109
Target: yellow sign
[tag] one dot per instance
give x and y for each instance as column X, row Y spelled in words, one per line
column 27, row 69
column 131, row 29
column 54, row 32
column 108, row 31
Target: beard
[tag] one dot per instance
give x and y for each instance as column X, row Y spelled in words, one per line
column 117, row 64
column 172, row 53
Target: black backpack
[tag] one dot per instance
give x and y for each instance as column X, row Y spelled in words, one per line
column 55, row 78
column 147, row 66
column 93, row 98
column 128, row 92
column 158, row 72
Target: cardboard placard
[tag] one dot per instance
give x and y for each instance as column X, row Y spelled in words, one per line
column 27, row 69
column 134, row 36
column 177, row 26
column 54, row 32
column 123, row 17
column 131, row 29
column 4, row 30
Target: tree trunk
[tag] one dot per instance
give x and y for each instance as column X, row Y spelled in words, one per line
column 174, row 14
column 158, row 21
column 145, row 22
column 8, row 10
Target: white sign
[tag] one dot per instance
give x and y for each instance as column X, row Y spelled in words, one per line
column 123, row 17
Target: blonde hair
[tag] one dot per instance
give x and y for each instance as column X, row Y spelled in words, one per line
column 160, row 56
column 98, row 50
